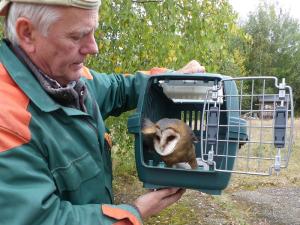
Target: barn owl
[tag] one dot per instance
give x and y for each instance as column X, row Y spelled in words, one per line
column 172, row 140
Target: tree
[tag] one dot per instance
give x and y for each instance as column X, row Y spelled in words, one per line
column 275, row 47
column 136, row 35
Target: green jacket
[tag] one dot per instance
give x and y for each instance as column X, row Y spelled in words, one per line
column 55, row 164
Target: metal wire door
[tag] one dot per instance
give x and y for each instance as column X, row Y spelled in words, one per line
column 253, row 115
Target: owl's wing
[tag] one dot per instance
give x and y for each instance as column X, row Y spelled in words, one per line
column 190, row 132
column 148, row 127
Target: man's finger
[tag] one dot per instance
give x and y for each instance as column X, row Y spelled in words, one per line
column 170, row 199
column 167, row 191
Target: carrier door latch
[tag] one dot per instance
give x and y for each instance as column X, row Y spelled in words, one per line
column 280, row 126
column 212, row 125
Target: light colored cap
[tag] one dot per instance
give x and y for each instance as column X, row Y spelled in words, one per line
column 84, row 4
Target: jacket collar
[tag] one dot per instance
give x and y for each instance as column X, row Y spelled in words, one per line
column 28, row 83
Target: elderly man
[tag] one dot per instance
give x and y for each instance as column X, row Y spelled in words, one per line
column 55, row 165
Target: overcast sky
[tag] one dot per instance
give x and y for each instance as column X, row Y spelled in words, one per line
column 243, row 7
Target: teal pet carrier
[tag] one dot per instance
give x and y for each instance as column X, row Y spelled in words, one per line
column 242, row 125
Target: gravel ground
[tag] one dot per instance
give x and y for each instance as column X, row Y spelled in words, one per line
column 280, row 206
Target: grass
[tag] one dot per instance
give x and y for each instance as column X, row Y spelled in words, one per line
column 287, row 177
column 258, row 155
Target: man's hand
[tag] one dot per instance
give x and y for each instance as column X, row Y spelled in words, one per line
column 153, row 202
column 192, row 67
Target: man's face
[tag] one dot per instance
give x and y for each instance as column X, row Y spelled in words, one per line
column 70, row 39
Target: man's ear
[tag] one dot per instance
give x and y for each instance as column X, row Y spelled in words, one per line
column 25, row 32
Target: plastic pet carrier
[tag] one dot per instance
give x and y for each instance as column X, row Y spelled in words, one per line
column 243, row 125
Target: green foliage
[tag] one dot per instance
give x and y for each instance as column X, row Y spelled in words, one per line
column 137, row 36
column 275, row 45
column 1, row 27
column 123, row 148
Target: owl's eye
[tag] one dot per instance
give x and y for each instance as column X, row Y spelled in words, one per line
column 157, row 137
column 170, row 138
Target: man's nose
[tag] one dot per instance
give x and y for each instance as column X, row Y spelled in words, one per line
column 90, row 46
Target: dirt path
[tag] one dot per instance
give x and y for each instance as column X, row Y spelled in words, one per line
column 279, row 206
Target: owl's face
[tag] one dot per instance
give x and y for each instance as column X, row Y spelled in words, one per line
column 165, row 141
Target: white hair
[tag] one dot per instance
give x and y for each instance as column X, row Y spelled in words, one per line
column 41, row 16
